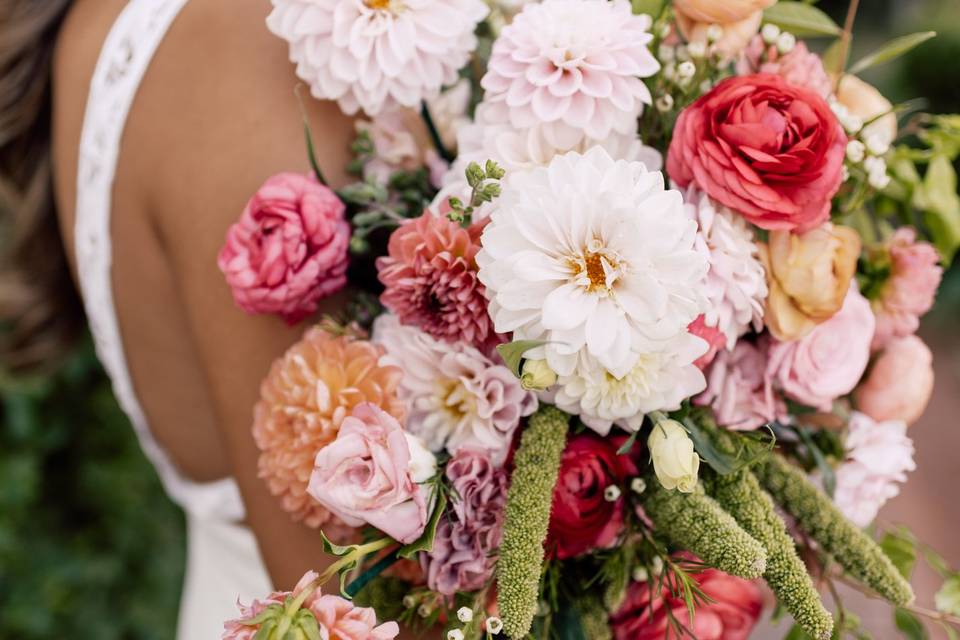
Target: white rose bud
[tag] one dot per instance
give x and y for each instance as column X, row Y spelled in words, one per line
column 674, row 460
column 537, row 375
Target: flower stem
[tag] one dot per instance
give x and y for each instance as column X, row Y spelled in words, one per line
column 434, row 133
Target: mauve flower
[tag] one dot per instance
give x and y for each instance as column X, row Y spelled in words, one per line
column 808, row 274
column 765, row 148
column 337, row 618
column 371, row 474
column 910, row 288
column 737, row 391
column 468, row 537
column 303, row 400
column 879, row 454
column 712, row 336
column 799, row 66
column 583, row 517
column 828, row 362
column 735, row 606
column 899, row 383
column 430, row 280
column 289, row 248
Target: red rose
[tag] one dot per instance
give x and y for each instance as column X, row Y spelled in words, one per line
column 582, row 517
column 768, row 149
column 737, row 603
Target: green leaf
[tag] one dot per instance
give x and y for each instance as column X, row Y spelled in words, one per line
column 900, row 548
column 425, row 542
column 720, row 461
column 311, row 153
column 512, row 352
column 628, row 444
column 801, row 19
column 892, row 50
column 941, row 204
column 650, row 7
column 336, row 549
column 947, row 599
column 909, row 625
column 829, row 477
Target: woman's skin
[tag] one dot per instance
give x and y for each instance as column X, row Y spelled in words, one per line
column 215, row 116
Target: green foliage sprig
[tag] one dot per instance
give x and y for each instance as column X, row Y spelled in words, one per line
column 484, row 183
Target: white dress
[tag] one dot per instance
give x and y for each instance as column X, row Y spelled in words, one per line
column 223, row 562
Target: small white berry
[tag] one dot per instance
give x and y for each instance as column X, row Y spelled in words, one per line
column 697, row 49
column 686, row 70
column 714, row 33
column 409, row 602
column 666, row 53
column 494, row 625
column 786, row 42
column 670, row 71
column 665, row 30
column 770, row 33
column 856, row 151
column 611, row 493
column 852, row 123
column 424, row 611
column 638, row 485
column 465, row 614
column 455, row 634
column 682, row 52
column 878, row 180
column 665, row 102
column 656, row 565
column 877, row 144
column 640, row 574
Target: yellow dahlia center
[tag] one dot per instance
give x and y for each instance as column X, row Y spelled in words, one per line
column 383, row 5
column 597, row 268
column 594, row 270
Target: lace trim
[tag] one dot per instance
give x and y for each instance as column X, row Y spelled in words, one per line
column 123, row 61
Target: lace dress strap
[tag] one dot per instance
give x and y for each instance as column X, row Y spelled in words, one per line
column 124, row 59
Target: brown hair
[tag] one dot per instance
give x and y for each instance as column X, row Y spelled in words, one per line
column 39, row 309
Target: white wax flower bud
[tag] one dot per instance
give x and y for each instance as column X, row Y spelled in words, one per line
column 770, row 33
column 714, row 33
column 674, row 460
column 665, row 30
column 666, row 53
column 878, row 180
column 844, row 173
column 697, row 49
column 465, row 614
column 665, row 102
column 640, row 574
column 875, row 165
column 656, row 565
column 852, row 123
column 686, row 70
column 424, row 611
column 611, row 493
column 638, row 485
column 877, row 144
column 786, row 41
column 455, row 634
column 856, row 151
column 537, row 375
column 409, row 602
column 423, row 464
column 682, row 52
column 494, row 625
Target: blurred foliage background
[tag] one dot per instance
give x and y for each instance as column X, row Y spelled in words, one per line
column 90, row 547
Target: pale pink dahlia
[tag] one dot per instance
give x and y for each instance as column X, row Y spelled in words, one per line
column 800, row 66
column 303, row 400
column 430, row 275
column 910, row 289
column 377, row 54
column 572, row 67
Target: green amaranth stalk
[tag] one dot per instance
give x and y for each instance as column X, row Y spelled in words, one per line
column 742, row 497
column 853, row 549
column 527, row 516
column 695, row 522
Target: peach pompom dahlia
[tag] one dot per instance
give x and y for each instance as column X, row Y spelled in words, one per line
column 303, row 400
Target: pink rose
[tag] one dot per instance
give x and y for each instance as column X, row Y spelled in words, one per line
column 715, row 339
column 910, row 289
column 800, row 67
column 900, row 382
column 289, row 248
column 763, row 147
column 737, row 390
column 370, row 475
column 828, row 362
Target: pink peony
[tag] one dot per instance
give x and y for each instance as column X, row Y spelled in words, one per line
column 714, row 337
column 370, row 475
column 337, row 618
column 763, row 147
column 464, row 551
column 879, row 454
column 289, row 248
column 431, row 281
column 900, row 382
column 736, row 605
column 737, row 390
column 800, row 67
column 828, row 362
column 910, row 289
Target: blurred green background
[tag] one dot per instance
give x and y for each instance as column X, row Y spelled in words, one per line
column 90, row 547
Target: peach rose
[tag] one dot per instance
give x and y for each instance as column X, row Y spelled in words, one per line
column 900, row 382
column 717, row 12
column 736, row 34
column 808, row 276
column 863, row 100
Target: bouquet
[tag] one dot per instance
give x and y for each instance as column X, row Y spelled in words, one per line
column 633, row 288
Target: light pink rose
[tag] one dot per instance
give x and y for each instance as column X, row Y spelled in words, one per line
column 828, row 362
column 800, row 67
column 368, row 475
column 289, row 248
column 910, row 289
column 900, row 382
column 879, row 454
column 737, row 390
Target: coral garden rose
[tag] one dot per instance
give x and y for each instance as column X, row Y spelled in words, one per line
column 808, row 275
column 910, row 289
column 289, row 248
column 303, row 400
column 899, row 383
column 828, row 362
column 584, row 517
column 768, row 149
column 731, row 614
column 371, row 474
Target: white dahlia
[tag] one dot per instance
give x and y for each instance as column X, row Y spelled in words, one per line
column 594, row 256
column 736, row 284
column 573, row 67
column 377, row 54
